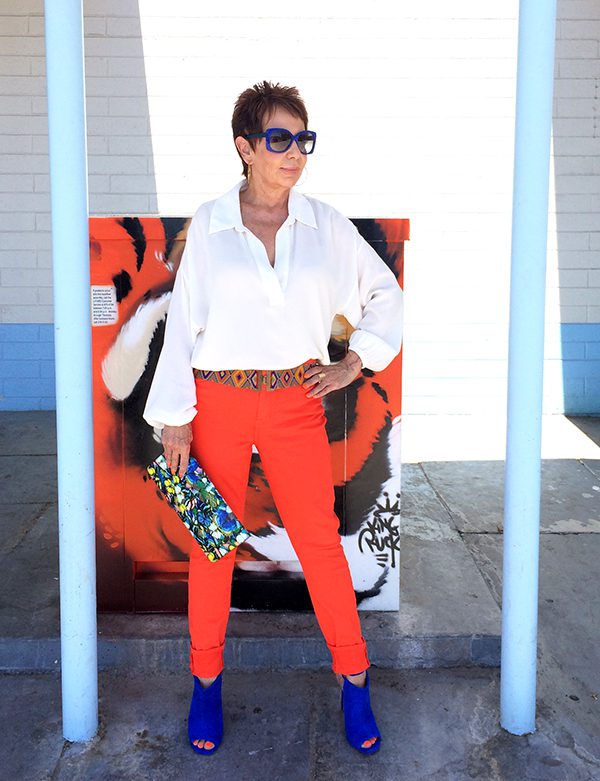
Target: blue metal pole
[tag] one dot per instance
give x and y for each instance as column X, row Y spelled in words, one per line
column 70, row 257
column 535, row 72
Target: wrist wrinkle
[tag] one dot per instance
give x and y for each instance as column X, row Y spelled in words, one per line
column 356, row 359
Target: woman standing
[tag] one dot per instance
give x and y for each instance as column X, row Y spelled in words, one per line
column 264, row 271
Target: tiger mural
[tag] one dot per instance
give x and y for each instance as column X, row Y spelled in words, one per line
column 142, row 547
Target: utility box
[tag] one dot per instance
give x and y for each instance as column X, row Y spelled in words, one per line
column 142, row 545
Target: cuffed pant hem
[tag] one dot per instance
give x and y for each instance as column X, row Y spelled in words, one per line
column 206, row 662
column 349, row 659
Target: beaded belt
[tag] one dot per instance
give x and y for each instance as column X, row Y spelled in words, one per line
column 257, row 379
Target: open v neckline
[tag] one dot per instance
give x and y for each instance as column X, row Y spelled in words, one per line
column 273, row 277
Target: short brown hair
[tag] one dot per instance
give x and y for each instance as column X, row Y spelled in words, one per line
column 257, row 102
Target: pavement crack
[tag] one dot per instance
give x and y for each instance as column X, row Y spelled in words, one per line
column 56, row 770
column 486, row 572
column 439, row 497
column 28, row 527
column 587, row 468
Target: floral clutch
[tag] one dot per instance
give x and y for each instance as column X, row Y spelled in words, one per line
column 200, row 506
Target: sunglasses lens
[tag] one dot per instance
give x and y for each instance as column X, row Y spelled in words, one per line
column 280, row 140
column 306, row 142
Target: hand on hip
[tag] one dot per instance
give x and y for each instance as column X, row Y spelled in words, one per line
column 323, row 379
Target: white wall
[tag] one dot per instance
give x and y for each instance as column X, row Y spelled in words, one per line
column 414, row 106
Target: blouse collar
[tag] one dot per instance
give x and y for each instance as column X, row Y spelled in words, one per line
column 226, row 212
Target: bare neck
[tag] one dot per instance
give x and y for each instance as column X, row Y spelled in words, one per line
column 260, row 196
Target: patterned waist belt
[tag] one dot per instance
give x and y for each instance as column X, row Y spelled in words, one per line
column 257, row 379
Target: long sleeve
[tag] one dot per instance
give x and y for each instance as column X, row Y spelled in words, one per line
column 172, row 397
column 374, row 308
column 230, row 308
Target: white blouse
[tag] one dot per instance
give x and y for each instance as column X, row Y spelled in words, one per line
column 230, row 309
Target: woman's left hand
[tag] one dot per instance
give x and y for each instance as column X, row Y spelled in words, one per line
column 323, row 379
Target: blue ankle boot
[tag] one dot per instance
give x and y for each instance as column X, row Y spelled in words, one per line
column 358, row 716
column 205, row 721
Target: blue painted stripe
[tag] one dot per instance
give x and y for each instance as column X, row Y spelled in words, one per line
column 581, row 378
column 21, row 332
column 27, row 366
column 580, row 332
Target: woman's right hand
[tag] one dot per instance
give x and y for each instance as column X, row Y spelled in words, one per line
column 176, row 444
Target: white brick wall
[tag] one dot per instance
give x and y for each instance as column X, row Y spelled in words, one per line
column 425, row 87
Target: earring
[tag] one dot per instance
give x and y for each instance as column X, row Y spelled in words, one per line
column 303, row 178
column 249, row 173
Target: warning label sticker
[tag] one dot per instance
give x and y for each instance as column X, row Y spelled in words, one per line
column 104, row 305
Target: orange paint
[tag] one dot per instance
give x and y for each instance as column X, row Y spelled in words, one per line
column 138, row 535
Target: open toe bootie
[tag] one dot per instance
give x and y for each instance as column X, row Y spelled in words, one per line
column 205, row 721
column 358, row 717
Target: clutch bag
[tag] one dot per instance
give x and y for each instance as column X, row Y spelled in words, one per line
column 200, row 506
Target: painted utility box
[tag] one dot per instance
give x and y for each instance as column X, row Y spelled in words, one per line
column 142, row 546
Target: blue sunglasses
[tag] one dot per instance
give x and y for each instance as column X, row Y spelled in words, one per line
column 278, row 139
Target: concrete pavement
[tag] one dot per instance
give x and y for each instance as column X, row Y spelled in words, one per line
column 284, row 722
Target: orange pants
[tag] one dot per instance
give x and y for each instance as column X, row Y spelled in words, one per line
column 288, row 429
